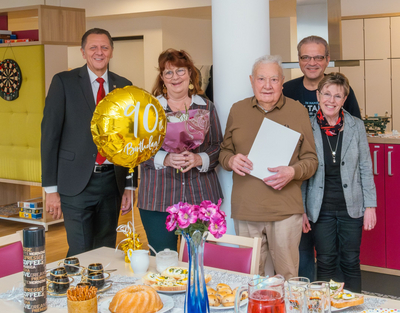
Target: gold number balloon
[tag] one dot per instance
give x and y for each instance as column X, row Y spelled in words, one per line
column 128, row 126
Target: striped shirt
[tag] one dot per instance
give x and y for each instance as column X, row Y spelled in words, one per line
column 161, row 187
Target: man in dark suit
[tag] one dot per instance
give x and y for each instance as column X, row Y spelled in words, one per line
column 78, row 181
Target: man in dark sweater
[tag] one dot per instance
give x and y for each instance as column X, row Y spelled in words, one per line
column 314, row 57
column 313, row 52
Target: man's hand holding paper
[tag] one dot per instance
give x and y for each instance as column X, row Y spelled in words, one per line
column 284, row 174
column 240, row 164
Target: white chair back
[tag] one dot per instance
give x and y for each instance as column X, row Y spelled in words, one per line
column 8, row 239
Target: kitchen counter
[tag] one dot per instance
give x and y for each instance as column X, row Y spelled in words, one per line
column 385, row 139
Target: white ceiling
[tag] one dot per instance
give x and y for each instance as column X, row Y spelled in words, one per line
column 278, row 8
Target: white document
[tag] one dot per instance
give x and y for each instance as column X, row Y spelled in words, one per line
column 273, row 146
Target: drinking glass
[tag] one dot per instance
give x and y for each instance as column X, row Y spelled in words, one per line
column 296, row 300
column 297, row 284
column 318, row 297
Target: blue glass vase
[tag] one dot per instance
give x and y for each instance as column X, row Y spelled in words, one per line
column 196, row 300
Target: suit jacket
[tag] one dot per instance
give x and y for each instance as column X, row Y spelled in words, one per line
column 355, row 171
column 67, row 149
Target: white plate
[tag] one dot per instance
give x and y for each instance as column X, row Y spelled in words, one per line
column 169, row 291
column 380, row 311
column 333, row 309
column 166, row 300
column 221, row 307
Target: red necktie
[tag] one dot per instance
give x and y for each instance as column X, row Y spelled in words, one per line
column 101, row 93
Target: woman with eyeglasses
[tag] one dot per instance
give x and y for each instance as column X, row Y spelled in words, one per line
column 169, row 178
column 340, row 198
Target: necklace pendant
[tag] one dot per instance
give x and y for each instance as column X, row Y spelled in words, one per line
column 334, row 154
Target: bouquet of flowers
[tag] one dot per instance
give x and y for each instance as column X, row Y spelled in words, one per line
column 188, row 218
column 186, row 130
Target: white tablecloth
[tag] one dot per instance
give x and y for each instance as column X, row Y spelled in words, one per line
column 11, row 287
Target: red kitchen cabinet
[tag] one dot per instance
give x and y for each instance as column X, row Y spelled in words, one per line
column 381, row 246
column 392, row 204
column 373, row 243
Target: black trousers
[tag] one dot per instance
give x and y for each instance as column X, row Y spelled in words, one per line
column 306, row 254
column 156, row 231
column 91, row 217
column 337, row 229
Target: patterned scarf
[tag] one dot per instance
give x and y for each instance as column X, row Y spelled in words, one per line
column 330, row 130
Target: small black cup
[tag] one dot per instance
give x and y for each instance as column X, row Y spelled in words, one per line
column 59, row 285
column 95, row 268
column 84, row 284
column 71, row 265
column 57, row 273
column 96, row 279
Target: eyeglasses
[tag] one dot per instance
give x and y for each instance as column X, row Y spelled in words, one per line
column 328, row 96
column 169, row 74
column 307, row 58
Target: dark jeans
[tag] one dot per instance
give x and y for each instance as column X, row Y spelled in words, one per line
column 333, row 229
column 306, row 253
column 157, row 234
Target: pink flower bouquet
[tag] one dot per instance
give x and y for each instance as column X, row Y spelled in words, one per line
column 188, row 218
column 186, row 130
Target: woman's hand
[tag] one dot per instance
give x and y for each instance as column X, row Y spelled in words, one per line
column 369, row 219
column 306, row 224
column 240, row 164
column 175, row 160
column 191, row 160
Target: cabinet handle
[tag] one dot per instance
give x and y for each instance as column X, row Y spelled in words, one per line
column 375, row 162
column 390, row 163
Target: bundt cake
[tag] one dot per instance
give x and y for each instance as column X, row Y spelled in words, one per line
column 136, row 299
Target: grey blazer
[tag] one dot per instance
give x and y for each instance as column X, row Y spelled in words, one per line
column 355, row 170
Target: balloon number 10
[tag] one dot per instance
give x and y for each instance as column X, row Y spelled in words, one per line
column 128, row 112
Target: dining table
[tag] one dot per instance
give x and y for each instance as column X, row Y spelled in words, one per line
column 121, row 276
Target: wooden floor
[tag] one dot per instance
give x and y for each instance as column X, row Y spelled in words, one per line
column 56, row 239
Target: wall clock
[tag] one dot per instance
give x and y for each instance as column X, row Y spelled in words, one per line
column 10, row 79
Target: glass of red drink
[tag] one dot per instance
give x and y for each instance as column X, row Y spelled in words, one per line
column 266, row 295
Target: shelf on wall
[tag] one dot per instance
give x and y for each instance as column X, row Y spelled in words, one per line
column 45, row 24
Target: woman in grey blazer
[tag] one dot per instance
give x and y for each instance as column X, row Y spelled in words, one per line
column 340, row 198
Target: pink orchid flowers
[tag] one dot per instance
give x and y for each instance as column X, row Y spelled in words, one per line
column 188, row 217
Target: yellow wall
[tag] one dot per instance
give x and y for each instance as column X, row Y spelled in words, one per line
column 20, row 119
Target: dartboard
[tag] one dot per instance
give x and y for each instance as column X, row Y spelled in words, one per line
column 10, row 79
